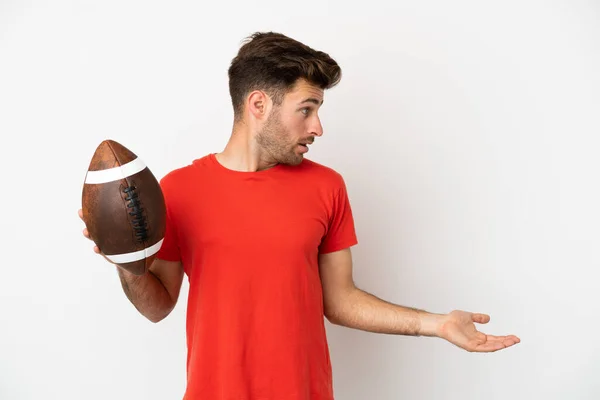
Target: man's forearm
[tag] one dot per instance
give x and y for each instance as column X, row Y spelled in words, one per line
column 361, row 310
column 147, row 293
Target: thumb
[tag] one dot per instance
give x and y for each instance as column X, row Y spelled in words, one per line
column 481, row 318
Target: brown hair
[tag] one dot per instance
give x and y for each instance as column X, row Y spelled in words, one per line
column 273, row 62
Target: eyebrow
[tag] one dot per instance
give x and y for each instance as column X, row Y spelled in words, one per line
column 312, row 100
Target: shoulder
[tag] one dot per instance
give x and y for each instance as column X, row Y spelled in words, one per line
column 323, row 173
column 181, row 175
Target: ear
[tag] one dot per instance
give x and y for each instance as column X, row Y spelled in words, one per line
column 258, row 104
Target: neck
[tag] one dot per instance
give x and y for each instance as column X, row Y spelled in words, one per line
column 243, row 153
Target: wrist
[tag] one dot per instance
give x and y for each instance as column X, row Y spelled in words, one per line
column 430, row 324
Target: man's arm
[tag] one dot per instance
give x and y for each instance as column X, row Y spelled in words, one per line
column 155, row 293
column 349, row 306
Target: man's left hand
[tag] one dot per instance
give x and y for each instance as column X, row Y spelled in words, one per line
column 458, row 328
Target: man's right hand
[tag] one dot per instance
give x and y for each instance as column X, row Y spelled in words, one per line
column 155, row 293
column 87, row 235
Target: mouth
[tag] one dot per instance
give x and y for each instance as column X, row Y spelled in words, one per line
column 303, row 147
column 305, row 144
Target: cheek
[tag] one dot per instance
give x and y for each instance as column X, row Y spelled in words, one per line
column 297, row 132
column 299, row 125
column 293, row 127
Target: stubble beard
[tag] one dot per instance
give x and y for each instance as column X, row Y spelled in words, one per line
column 272, row 138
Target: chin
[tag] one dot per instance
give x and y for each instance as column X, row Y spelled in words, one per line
column 292, row 159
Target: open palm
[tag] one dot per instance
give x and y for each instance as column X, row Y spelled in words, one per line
column 459, row 329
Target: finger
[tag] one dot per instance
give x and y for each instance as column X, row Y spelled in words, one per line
column 489, row 347
column 80, row 212
column 494, row 337
column 512, row 338
column 481, row 318
column 515, row 338
column 504, row 341
column 86, row 233
column 96, row 250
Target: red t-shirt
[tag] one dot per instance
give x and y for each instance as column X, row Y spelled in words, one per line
column 249, row 244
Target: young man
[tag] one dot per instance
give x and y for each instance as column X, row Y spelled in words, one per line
column 264, row 237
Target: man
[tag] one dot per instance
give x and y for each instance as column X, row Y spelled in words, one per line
column 264, row 236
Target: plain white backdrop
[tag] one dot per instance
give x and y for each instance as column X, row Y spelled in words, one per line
column 467, row 133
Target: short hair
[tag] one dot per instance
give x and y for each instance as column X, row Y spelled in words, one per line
column 273, row 62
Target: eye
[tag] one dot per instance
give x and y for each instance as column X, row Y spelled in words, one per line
column 305, row 110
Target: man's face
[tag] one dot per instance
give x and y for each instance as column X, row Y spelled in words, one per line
column 293, row 125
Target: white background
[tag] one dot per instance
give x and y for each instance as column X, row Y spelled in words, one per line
column 467, row 134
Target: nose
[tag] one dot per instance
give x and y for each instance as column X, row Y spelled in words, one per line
column 317, row 128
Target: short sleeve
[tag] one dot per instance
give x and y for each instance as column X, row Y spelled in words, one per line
column 169, row 250
column 341, row 232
